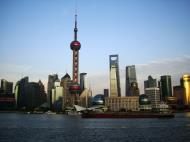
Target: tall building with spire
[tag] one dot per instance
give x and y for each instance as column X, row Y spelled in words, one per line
column 75, row 47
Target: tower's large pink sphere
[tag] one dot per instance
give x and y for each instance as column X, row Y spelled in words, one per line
column 75, row 45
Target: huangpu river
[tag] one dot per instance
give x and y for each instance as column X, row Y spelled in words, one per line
column 16, row 127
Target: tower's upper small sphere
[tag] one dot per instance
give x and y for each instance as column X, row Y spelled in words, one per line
column 75, row 45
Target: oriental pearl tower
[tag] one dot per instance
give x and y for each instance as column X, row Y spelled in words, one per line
column 75, row 47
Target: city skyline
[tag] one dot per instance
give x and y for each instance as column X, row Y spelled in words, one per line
column 154, row 36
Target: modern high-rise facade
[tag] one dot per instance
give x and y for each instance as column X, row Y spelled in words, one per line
column 179, row 94
column 66, row 82
column 20, row 92
column 57, row 96
column 6, row 86
column 51, row 81
column 165, row 87
column 154, row 96
column 106, row 93
column 185, row 82
column 150, row 82
column 115, row 90
column 130, row 81
column 133, row 89
column 35, row 95
column 85, row 98
column 30, row 95
column 7, row 98
column 82, row 81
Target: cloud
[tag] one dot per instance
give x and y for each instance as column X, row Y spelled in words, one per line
column 175, row 67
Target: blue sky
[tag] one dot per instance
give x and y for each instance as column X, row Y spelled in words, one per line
column 35, row 36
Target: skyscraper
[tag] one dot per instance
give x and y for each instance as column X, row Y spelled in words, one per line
column 85, row 98
column 66, row 83
column 21, row 93
column 154, row 96
column 35, row 95
column 133, row 89
column 57, row 96
column 166, row 87
column 106, row 92
column 7, row 98
column 115, row 89
column 82, row 81
column 150, row 82
column 6, row 86
column 75, row 47
column 51, row 81
column 130, row 80
column 185, row 82
column 29, row 95
column 179, row 94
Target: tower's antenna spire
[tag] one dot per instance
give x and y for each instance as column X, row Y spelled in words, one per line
column 75, row 29
column 75, row 7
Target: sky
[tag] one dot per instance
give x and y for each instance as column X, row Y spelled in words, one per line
column 153, row 35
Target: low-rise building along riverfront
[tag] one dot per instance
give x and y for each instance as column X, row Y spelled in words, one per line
column 129, row 103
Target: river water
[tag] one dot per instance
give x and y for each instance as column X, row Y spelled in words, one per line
column 54, row 128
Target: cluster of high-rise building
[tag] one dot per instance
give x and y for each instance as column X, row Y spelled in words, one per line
column 63, row 93
column 157, row 93
column 60, row 94
column 27, row 95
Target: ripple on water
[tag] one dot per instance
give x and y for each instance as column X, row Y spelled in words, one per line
column 72, row 129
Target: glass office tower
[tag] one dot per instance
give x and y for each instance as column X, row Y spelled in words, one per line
column 130, row 79
column 150, row 82
column 115, row 90
column 166, row 87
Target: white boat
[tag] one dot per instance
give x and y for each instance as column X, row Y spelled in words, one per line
column 73, row 113
column 50, row 112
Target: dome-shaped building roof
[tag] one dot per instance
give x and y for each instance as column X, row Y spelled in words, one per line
column 99, row 99
column 144, row 100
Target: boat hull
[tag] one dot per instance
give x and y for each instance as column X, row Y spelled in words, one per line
column 127, row 115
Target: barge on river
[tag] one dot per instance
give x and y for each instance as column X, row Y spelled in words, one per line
column 92, row 114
